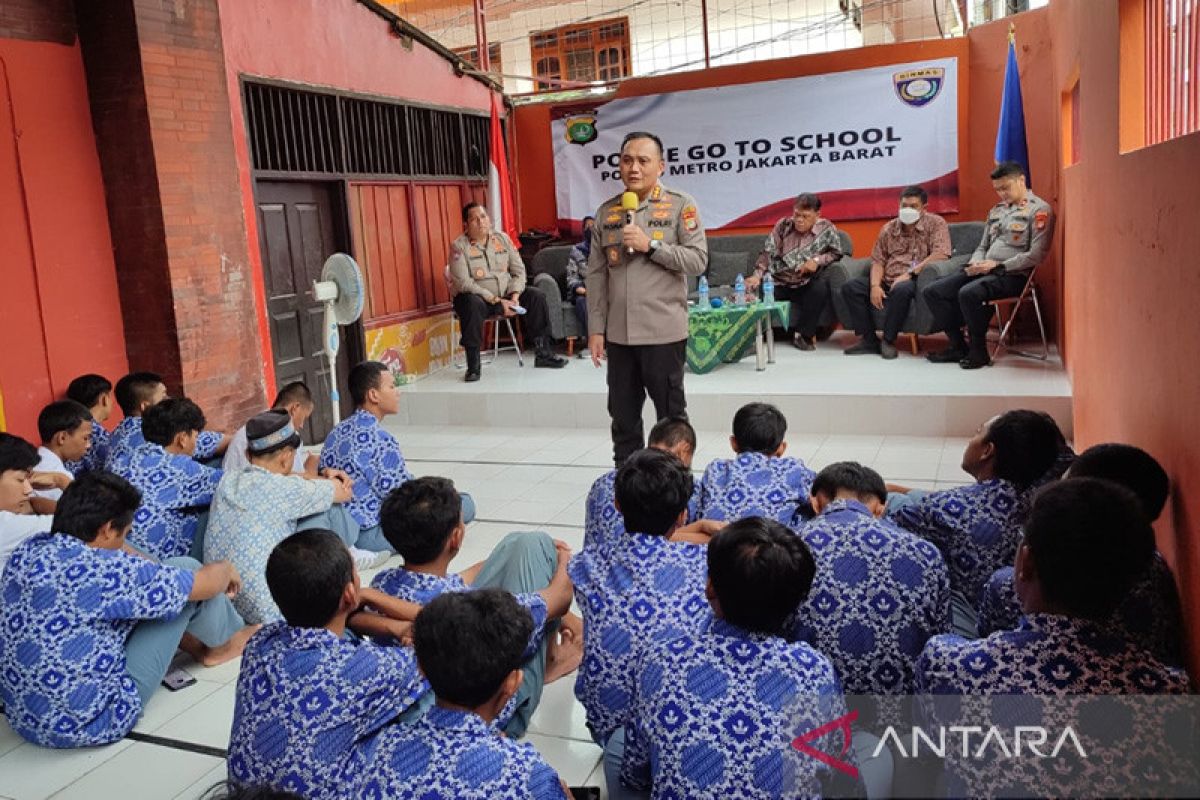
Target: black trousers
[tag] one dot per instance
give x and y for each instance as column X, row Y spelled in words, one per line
column 960, row 298
column 635, row 371
column 896, row 303
column 472, row 310
column 808, row 301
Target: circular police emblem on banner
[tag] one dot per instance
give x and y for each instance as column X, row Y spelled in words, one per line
column 919, row 87
column 581, row 129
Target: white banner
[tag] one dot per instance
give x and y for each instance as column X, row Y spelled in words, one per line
column 744, row 152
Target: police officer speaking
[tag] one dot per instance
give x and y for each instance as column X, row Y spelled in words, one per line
column 1016, row 238
column 641, row 255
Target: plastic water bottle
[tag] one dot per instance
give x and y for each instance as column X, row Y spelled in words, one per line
column 703, row 290
column 739, row 290
column 768, row 290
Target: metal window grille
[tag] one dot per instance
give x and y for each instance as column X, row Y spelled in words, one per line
column 1172, row 61
column 302, row 131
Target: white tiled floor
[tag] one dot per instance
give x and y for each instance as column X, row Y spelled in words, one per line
column 521, row 479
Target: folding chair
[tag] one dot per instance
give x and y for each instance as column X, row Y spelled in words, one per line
column 493, row 321
column 1005, row 325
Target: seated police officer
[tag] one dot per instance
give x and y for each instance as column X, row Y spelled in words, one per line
column 1016, row 238
column 488, row 277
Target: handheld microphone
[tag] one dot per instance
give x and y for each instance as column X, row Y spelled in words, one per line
column 629, row 203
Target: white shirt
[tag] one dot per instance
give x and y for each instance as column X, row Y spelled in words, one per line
column 50, row 463
column 16, row 528
column 235, row 456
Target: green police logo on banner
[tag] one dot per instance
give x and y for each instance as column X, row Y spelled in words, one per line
column 581, row 129
column 918, row 87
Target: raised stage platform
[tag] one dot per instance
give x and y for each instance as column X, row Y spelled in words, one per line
column 819, row 392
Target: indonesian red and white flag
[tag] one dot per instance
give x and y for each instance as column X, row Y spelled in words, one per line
column 500, row 197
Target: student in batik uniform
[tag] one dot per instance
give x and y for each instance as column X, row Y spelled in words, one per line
column 714, row 712
column 470, row 646
column 176, row 489
column 297, row 401
column 360, row 447
column 258, row 507
column 760, row 481
column 422, row 521
column 66, row 431
column 1086, row 542
column 643, row 588
column 1150, row 613
column 880, row 591
column 135, row 393
column 93, row 392
column 978, row 527
column 879, row 594
column 91, row 626
column 308, row 695
column 602, row 520
column 22, row 513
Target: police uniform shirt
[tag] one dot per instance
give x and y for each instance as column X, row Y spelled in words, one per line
column 1017, row 235
column 491, row 270
column 641, row 298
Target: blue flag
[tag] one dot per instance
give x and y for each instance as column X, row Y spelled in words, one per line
column 1010, row 135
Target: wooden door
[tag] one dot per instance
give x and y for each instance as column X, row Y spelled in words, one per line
column 298, row 229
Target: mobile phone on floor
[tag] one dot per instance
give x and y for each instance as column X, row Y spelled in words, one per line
column 178, row 679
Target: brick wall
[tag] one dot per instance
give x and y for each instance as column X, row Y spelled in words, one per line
column 108, row 37
column 37, row 20
column 170, row 169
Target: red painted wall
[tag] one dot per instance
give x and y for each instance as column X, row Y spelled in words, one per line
column 60, row 306
column 1131, row 283
column 330, row 43
column 981, row 72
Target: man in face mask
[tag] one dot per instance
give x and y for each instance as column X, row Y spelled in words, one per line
column 905, row 245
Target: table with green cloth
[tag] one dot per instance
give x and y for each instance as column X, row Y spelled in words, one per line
column 727, row 334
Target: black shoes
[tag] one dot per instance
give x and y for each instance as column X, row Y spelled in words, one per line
column 975, row 360
column 951, row 355
column 803, row 342
column 864, row 348
column 549, row 360
column 888, row 350
column 546, row 357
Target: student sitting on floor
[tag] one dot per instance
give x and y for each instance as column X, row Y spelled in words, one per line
column 1150, row 613
column 978, row 527
column 642, row 589
column 422, row 521
column 714, row 712
column 760, row 481
column 297, row 401
column 360, row 447
column 176, row 489
column 22, row 513
column 470, row 646
column 880, row 591
column 91, row 627
column 674, row 435
column 1086, row 542
column 307, row 694
column 257, row 507
column 135, row 393
column 66, row 431
column 93, row 392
